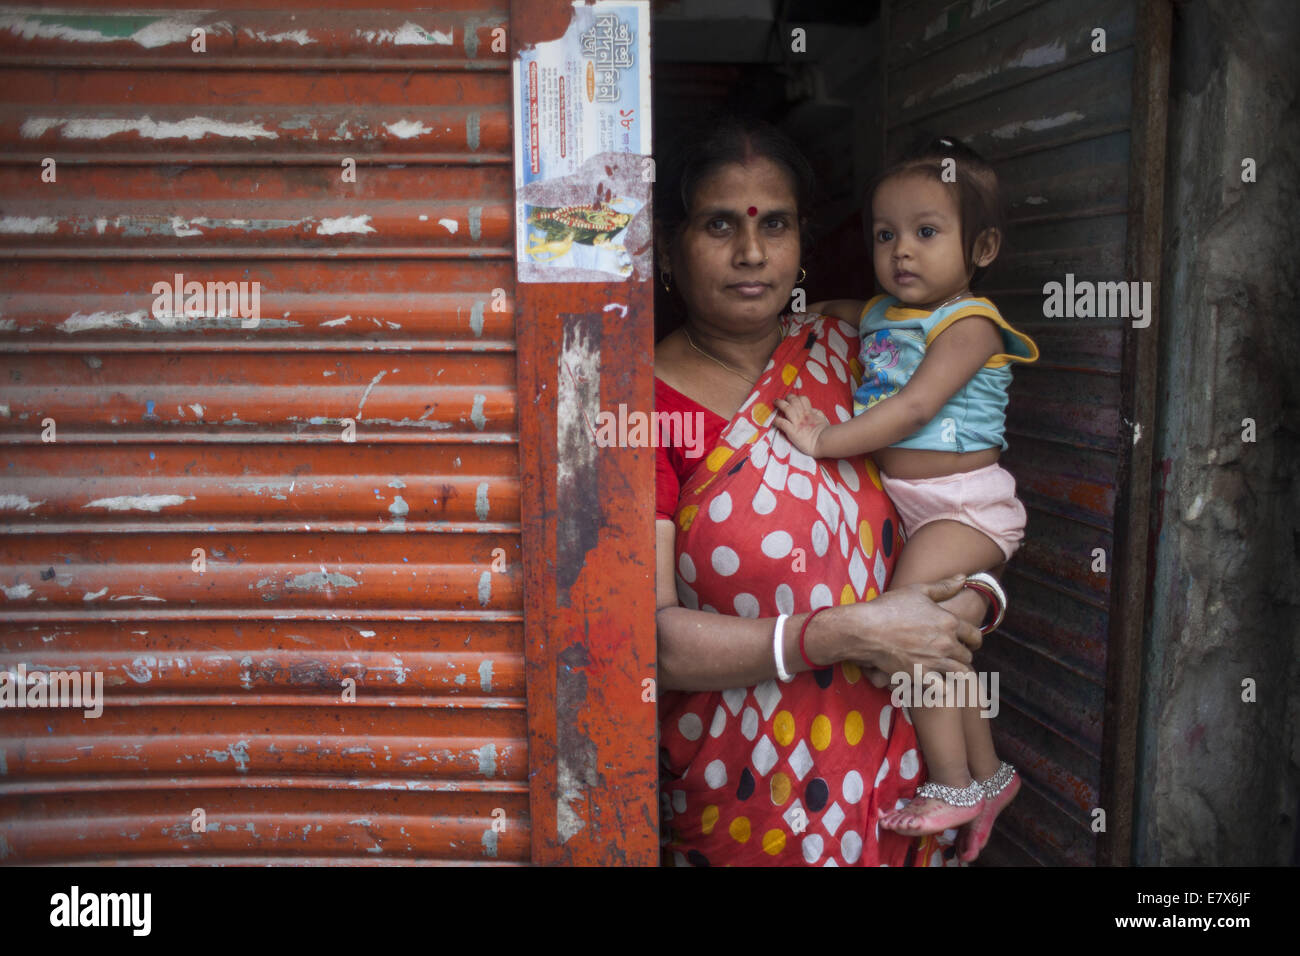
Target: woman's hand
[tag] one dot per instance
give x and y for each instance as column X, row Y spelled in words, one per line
column 799, row 422
column 903, row 628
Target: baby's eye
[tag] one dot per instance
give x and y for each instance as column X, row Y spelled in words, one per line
column 927, row 232
column 884, row 235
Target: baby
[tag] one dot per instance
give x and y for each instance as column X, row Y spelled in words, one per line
column 930, row 410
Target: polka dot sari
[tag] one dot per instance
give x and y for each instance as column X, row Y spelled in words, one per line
column 788, row 774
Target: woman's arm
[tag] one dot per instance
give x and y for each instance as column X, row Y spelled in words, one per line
column 951, row 361
column 699, row 650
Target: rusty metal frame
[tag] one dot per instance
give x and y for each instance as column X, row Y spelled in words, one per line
column 1131, row 582
column 588, row 563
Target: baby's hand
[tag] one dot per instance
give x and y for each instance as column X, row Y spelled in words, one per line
column 799, row 422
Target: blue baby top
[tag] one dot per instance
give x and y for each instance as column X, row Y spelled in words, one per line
column 894, row 339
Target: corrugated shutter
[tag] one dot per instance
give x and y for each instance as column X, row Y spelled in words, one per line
column 325, row 559
column 1071, row 133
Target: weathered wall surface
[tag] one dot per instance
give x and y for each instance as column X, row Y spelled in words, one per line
column 1219, row 777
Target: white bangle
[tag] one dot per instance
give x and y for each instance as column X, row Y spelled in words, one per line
column 986, row 584
column 777, row 635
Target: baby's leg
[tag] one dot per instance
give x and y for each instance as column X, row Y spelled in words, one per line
column 937, row 550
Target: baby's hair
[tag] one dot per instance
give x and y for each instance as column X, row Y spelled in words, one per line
column 973, row 183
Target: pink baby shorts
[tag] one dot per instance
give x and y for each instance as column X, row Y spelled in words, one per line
column 984, row 499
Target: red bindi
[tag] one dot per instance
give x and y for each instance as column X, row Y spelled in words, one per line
column 753, row 210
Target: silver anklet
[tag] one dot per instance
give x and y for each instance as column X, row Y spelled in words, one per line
column 953, row 796
column 998, row 782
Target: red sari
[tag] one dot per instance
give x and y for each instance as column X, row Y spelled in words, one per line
column 788, row 774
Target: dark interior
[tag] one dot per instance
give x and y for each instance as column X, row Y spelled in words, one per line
column 737, row 55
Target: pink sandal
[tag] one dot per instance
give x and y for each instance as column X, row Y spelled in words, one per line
column 999, row 790
column 964, row 804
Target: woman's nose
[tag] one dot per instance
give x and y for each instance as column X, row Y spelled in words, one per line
column 751, row 250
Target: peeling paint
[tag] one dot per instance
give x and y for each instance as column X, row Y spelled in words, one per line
column 29, row 225
column 373, row 382
column 344, row 224
column 237, row 751
column 476, row 222
column 140, row 671
column 193, row 128
column 1037, row 125
column 320, row 580
column 182, row 228
column 481, row 505
column 19, row 591
column 485, row 588
column 94, row 595
column 487, row 760
column 149, row 32
column 18, row 503
column 154, row 503
column 342, row 320
column 476, row 318
column 409, row 34
column 489, row 842
column 399, row 509
column 407, row 129
column 476, row 412
column 300, row 37
column 83, row 322
column 485, row 676
column 311, row 580
column 451, row 225
column 1044, row 55
column 472, row 131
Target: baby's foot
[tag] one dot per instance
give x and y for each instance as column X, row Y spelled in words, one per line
column 999, row 790
column 935, row 808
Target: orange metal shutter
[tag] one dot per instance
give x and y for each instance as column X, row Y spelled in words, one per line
column 391, row 560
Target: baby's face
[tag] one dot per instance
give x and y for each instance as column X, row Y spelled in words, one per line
column 916, row 240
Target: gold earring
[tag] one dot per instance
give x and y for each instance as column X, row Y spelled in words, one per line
column 803, row 273
column 664, row 276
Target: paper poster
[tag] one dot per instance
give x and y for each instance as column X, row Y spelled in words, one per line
column 582, row 143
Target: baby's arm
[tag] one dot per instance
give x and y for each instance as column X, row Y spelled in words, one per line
column 847, row 309
column 951, row 360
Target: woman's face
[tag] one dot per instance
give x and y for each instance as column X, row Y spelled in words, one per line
column 736, row 260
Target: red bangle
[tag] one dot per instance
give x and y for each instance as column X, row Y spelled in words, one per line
column 802, row 631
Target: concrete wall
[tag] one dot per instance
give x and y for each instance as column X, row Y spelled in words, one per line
column 1219, row 778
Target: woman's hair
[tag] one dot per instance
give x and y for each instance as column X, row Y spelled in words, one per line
column 971, row 180
column 721, row 140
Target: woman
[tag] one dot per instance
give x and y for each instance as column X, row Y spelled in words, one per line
column 754, row 540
